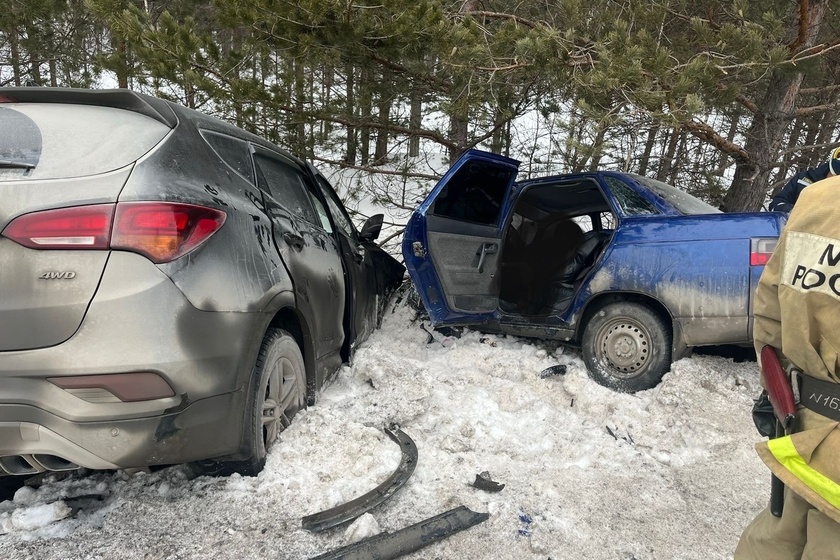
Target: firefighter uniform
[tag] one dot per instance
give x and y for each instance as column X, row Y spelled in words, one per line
column 787, row 197
column 797, row 311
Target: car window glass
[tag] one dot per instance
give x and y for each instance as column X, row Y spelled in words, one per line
column 585, row 222
column 232, row 151
column 321, row 211
column 286, row 186
column 342, row 219
column 681, row 200
column 631, row 202
column 60, row 140
column 608, row 220
column 475, row 193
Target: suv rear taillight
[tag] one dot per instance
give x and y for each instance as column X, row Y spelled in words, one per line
column 162, row 231
column 80, row 227
column 760, row 250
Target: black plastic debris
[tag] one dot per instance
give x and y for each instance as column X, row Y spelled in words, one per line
column 387, row 546
column 613, row 431
column 559, row 369
column 453, row 332
column 348, row 511
column 484, row 482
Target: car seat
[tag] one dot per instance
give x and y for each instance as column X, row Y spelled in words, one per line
column 562, row 286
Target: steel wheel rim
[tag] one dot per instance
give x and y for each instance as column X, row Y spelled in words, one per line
column 625, row 346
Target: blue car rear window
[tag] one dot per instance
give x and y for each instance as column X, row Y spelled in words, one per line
column 681, row 200
column 631, row 202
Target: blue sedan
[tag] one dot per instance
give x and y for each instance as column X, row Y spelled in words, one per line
column 633, row 271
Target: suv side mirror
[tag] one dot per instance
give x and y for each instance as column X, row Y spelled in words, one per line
column 372, row 227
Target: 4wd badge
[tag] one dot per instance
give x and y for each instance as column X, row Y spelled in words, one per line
column 56, row 275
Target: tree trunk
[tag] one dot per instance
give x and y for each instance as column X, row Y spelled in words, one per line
column 597, row 150
column 299, row 122
column 749, row 187
column 666, row 162
column 122, row 66
column 380, row 155
column 415, row 120
column 349, row 111
column 723, row 158
column 366, row 110
column 15, row 52
column 644, row 161
column 679, row 159
column 458, row 127
column 326, row 95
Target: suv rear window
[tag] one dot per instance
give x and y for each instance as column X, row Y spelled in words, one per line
column 57, row 140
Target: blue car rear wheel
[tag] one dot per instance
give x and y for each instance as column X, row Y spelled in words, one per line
column 627, row 347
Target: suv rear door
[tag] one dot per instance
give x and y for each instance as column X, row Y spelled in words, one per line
column 452, row 241
column 53, row 156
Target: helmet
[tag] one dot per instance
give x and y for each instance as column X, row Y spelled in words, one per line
column 834, row 162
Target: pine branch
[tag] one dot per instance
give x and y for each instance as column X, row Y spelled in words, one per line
column 500, row 15
column 810, row 148
column 747, row 103
column 707, row 134
column 817, row 109
column 398, row 68
column 378, row 170
column 819, row 90
column 813, row 52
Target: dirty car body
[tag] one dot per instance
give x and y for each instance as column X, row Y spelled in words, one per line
column 634, row 271
column 172, row 288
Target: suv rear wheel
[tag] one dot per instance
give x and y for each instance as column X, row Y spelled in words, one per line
column 627, row 347
column 277, row 393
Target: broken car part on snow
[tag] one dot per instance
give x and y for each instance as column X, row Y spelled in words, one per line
column 386, row 546
column 484, row 482
column 348, row 511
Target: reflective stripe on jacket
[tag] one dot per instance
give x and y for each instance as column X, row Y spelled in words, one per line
column 808, row 462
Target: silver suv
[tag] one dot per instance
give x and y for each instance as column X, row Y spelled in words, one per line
column 172, row 288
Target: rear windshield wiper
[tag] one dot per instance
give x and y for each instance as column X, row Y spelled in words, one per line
column 15, row 164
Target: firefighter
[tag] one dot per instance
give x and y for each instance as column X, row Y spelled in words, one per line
column 797, row 311
column 786, row 198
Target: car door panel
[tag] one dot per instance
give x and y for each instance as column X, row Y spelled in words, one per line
column 309, row 253
column 452, row 241
column 467, row 267
column 361, row 289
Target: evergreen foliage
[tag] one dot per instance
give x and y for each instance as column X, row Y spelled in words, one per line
column 724, row 98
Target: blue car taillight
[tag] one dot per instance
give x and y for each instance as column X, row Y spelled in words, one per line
column 760, row 250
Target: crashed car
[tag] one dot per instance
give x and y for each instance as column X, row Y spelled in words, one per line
column 174, row 289
column 633, row 271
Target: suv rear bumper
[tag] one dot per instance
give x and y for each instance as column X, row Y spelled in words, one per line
column 138, row 322
column 37, row 440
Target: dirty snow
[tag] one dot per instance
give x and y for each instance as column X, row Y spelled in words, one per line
column 665, row 474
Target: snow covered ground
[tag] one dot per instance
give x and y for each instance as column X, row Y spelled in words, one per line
column 665, row 474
